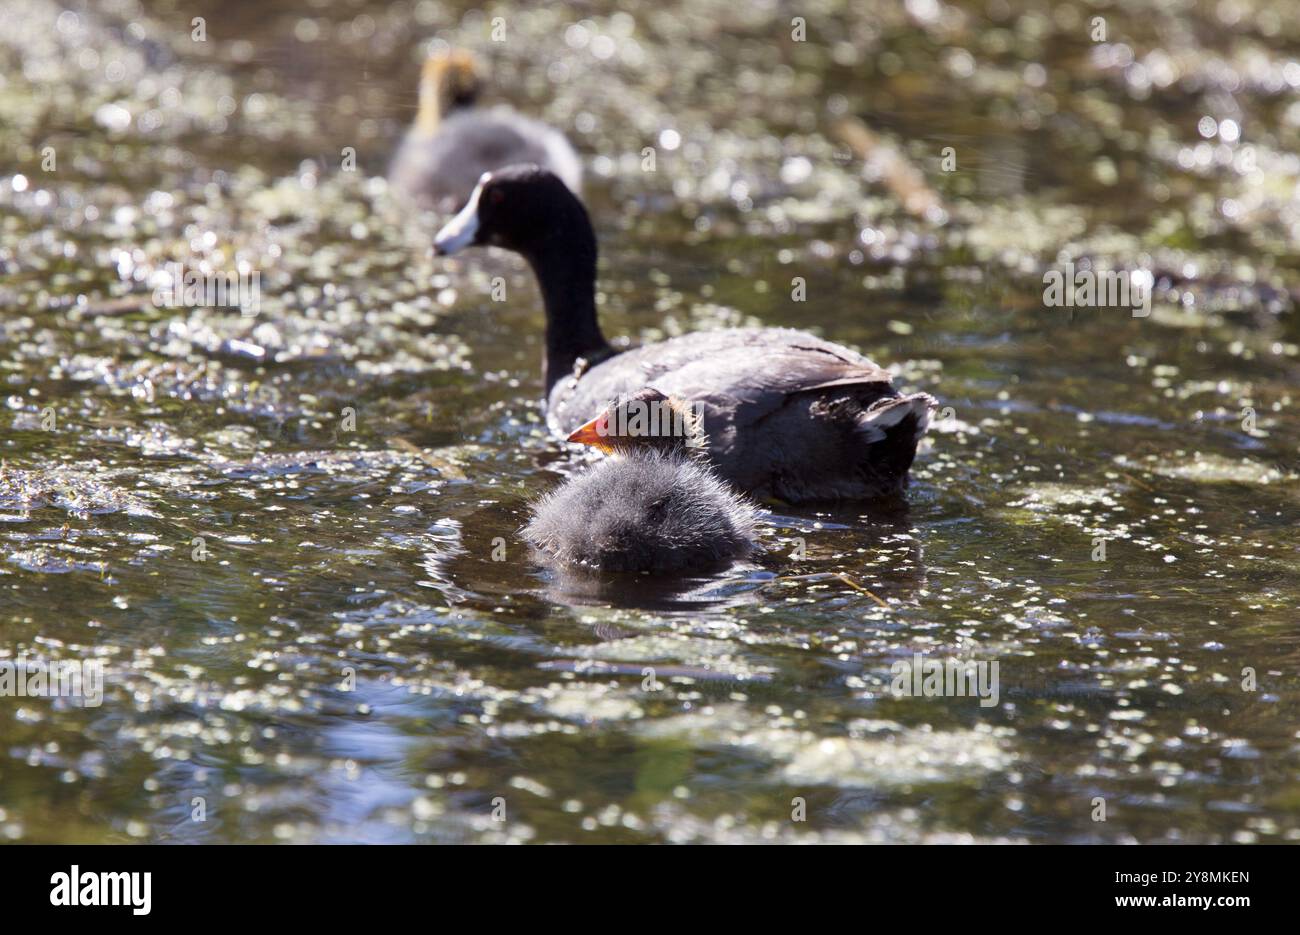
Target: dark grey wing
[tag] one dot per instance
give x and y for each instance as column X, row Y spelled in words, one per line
column 738, row 375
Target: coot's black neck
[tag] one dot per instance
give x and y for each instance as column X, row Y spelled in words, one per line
column 565, row 265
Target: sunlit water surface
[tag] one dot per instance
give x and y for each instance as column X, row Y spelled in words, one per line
column 292, row 539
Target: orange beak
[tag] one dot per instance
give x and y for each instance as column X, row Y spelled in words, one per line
column 593, row 433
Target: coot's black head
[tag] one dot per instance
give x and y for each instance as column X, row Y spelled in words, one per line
column 646, row 420
column 523, row 208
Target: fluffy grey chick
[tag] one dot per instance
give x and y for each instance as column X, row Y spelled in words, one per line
column 654, row 507
column 452, row 142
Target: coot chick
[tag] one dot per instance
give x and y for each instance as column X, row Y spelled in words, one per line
column 788, row 415
column 654, row 507
column 452, row 142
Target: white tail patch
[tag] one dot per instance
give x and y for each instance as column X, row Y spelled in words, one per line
column 884, row 415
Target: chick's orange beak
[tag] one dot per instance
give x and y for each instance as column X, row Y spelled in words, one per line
column 592, row 433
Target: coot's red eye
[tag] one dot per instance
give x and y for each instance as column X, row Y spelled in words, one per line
column 496, row 196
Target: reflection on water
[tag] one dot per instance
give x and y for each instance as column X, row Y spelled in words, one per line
column 292, row 539
column 576, row 586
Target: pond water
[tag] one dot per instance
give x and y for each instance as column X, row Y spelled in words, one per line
column 291, row 539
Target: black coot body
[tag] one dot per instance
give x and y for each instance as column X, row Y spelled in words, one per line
column 787, row 414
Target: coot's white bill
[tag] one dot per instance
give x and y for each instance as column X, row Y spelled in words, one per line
column 459, row 232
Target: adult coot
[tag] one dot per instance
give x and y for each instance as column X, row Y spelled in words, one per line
column 787, row 414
